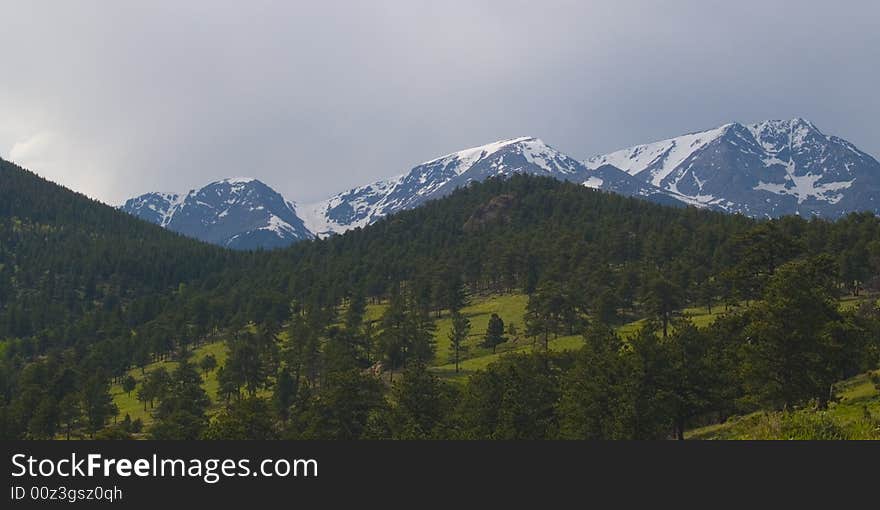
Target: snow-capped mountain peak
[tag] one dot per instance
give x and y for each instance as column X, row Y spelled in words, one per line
column 236, row 180
column 433, row 179
column 466, row 158
column 767, row 168
column 534, row 150
column 239, row 212
column 658, row 159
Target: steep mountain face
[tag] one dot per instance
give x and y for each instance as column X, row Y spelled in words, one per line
column 155, row 207
column 433, row 179
column 612, row 179
column 238, row 213
column 767, row 169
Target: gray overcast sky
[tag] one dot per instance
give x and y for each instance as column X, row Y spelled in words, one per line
column 118, row 98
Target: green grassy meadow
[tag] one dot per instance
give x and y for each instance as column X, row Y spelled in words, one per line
column 510, row 307
column 855, row 394
column 129, row 404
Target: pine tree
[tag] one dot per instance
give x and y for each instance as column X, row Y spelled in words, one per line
column 393, row 338
column 248, row 419
column 461, row 328
column 128, row 384
column 284, row 393
column 494, row 333
column 420, row 406
column 598, row 398
column 208, row 364
column 97, row 404
column 792, row 355
column 662, row 300
column 181, row 412
column 70, row 413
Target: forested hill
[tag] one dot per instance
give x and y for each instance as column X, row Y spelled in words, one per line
column 67, row 261
column 514, row 233
column 73, row 271
column 87, row 292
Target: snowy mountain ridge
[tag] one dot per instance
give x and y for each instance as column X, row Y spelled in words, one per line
column 435, row 178
column 237, row 212
column 764, row 169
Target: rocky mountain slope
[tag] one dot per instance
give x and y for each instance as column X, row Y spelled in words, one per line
column 239, row 213
column 767, row 169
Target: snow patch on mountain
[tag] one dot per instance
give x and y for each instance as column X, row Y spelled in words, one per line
column 466, row 158
column 366, row 204
column 594, row 182
column 803, row 187
column 658, row 158
column 237, row 180
column 278, row 226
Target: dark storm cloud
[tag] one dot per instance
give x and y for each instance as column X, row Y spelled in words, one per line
column 118, row 98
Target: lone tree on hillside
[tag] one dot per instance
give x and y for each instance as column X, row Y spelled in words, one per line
column 662, row 299
column 461, row 327
column 208, row 364
column 128, row 384
column 494, row 333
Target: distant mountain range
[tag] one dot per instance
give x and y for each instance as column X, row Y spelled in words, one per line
column 767, row 169
column 240, row 213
